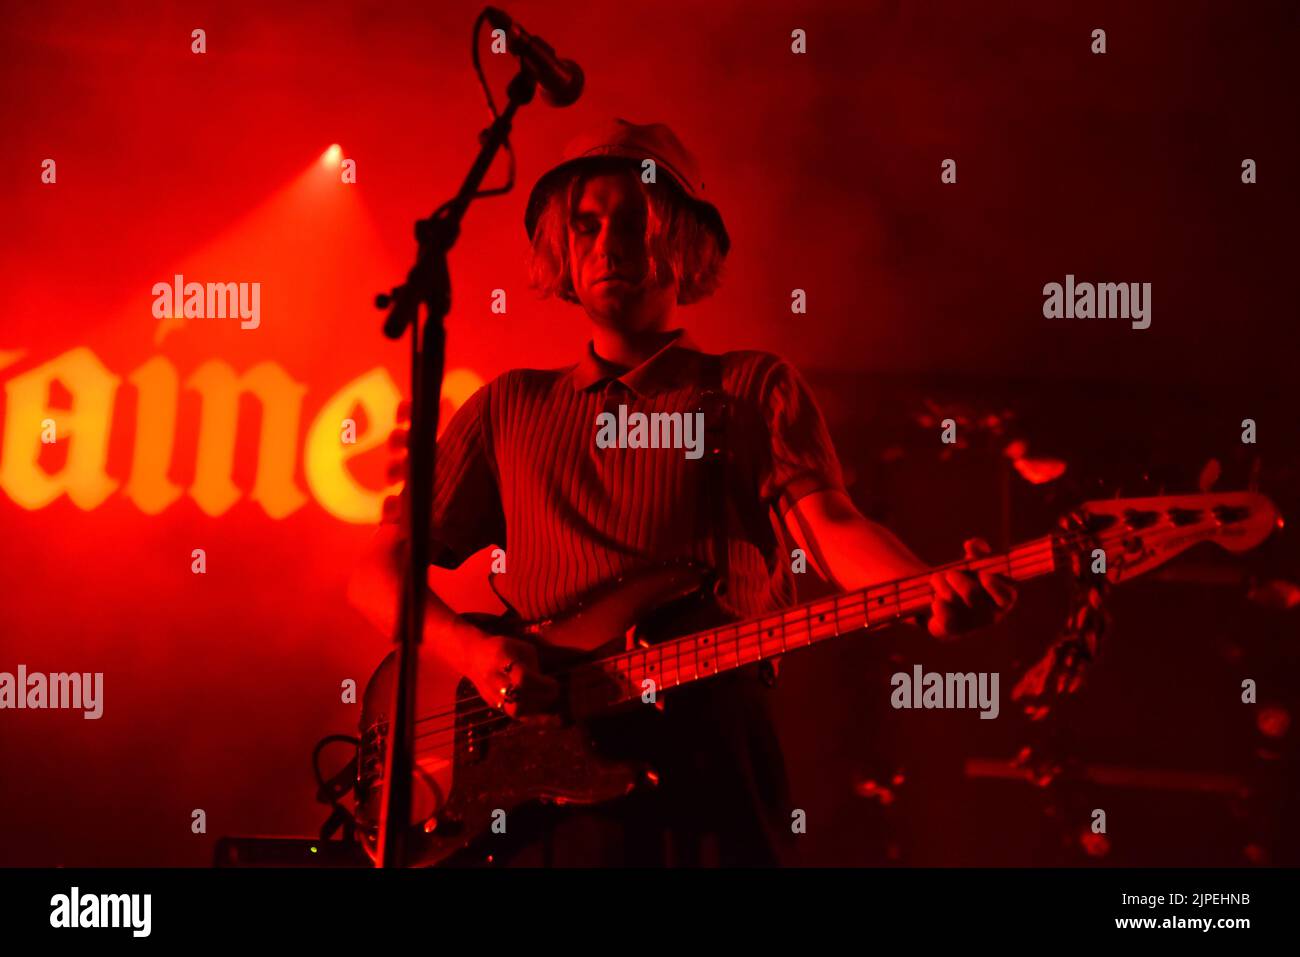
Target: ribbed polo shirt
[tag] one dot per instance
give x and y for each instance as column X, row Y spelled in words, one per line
column 519, row 467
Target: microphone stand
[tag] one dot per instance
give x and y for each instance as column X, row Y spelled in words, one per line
column 428, row 283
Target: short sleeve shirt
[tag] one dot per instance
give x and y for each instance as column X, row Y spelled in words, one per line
column 520, row 467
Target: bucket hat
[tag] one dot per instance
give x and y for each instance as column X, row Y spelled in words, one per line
column 634, row 142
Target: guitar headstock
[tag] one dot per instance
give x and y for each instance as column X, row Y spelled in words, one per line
column 1139, row 534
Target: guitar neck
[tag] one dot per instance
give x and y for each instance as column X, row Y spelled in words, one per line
column 707, row 653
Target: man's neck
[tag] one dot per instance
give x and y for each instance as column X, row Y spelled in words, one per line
column 629, row 349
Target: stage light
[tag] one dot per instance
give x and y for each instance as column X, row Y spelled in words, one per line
column 332, row 155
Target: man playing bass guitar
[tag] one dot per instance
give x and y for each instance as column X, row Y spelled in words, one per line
column 524, row 465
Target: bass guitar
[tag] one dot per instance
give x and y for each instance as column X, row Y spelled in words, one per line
column 622, row 645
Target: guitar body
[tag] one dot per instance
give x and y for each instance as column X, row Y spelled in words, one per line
column 473, row 763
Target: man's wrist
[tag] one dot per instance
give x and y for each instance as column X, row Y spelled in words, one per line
column 451, row 638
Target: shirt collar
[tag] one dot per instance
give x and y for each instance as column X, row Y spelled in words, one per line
column 674, row 364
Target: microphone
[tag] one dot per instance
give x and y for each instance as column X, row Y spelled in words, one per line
column 561, row 80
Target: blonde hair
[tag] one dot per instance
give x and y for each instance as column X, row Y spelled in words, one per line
column 677, row 240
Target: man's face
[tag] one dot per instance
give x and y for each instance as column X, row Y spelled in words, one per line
column 608, row 259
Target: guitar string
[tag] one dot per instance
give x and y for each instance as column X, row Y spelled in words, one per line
column 753, row 629
column 749, row 635
column 918, row 584
column 919, row 591
column 1032, row 554
column 745, row 643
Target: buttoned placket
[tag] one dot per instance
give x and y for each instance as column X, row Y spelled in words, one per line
column 613, row 394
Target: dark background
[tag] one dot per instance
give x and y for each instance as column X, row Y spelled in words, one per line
column 924, row 300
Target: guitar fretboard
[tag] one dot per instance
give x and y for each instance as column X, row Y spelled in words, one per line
column 704, row 654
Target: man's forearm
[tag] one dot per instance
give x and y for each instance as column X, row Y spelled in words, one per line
column 848, row 549
column 374, row 589
column 862, row 552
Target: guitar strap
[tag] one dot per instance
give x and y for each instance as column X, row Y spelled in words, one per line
column 716, row 408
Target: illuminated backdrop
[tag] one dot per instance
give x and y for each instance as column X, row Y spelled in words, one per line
column 178, row 434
